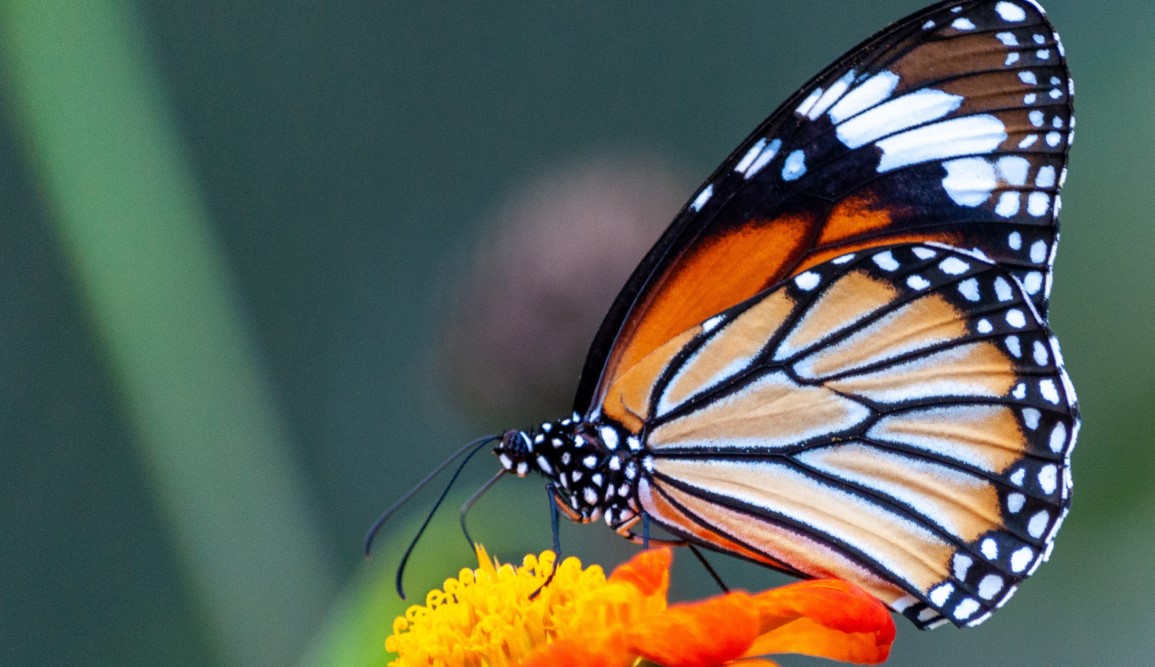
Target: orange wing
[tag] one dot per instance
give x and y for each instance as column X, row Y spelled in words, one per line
column 951, row 126
column 898, row 418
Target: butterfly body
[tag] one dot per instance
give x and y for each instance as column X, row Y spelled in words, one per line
column 836, row 361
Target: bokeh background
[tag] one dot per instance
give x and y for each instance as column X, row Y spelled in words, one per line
column 262, row 265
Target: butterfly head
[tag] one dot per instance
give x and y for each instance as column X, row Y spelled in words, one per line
column 516, row 452
column 592, row 476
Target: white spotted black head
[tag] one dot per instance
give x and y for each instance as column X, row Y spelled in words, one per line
column 591, row 474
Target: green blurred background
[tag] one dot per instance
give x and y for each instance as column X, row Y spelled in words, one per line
column 244, row 257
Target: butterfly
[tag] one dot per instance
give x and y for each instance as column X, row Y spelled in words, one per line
column 836, row 360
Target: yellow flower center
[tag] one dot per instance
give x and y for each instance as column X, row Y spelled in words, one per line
column 486, row 617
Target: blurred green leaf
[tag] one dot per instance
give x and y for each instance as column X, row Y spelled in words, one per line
column 130, row 220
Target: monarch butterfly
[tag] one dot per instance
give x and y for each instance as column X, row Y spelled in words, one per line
column 836, row 360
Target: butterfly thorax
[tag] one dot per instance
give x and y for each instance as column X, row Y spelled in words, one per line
column 594, row 467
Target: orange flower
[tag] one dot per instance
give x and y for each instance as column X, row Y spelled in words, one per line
column 486, row 617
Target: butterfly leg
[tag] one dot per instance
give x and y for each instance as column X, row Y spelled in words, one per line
column 473, row 500
column 709, row 568
column 551, row 491
column 646, row 542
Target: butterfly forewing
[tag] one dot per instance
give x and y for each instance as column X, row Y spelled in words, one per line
column 898, row 417
column 951, row 126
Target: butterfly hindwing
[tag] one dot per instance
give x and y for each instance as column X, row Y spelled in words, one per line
column 898, row 417
column 951, row 126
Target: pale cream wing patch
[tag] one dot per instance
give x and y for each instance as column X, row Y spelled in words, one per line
column 919, row 432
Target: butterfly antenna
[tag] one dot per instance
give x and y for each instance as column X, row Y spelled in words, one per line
column 385, row 516
column 477, row 445
column 473, row 499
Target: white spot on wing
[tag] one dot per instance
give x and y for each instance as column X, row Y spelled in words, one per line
column 950, row 138
column 863, row 96
column 1032, row 282
column 1058, row 437
column 886, row 261
column 963, row 24
column 1013, row 169
column 969, row 288
column 1021, row 559
column 795, row 166
column 940, row 594
column 1031, row 418
column 748, row 158
column 1008, row 204
column 1014, row 346
column 961, row 564
column 1010, row 12
column 1003, row 289
column 831, row 96
column 764, row 157
column 969, row 181
column 807, row 281
column 804, row 108
column 1048, row 479
column 702, row 198
column 953, row 266
column 965, row 609
column 1038, row 204
column 901, row 113
column 990, row 586
column 1039, row 352
column 917, row 282
column 1038, row 523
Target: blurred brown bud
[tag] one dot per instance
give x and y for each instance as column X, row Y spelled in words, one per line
column 558, row 252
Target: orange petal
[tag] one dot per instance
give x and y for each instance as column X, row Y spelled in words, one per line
column 827, row 618
column 578, row 653
column 700, row 634
column 649, row 571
